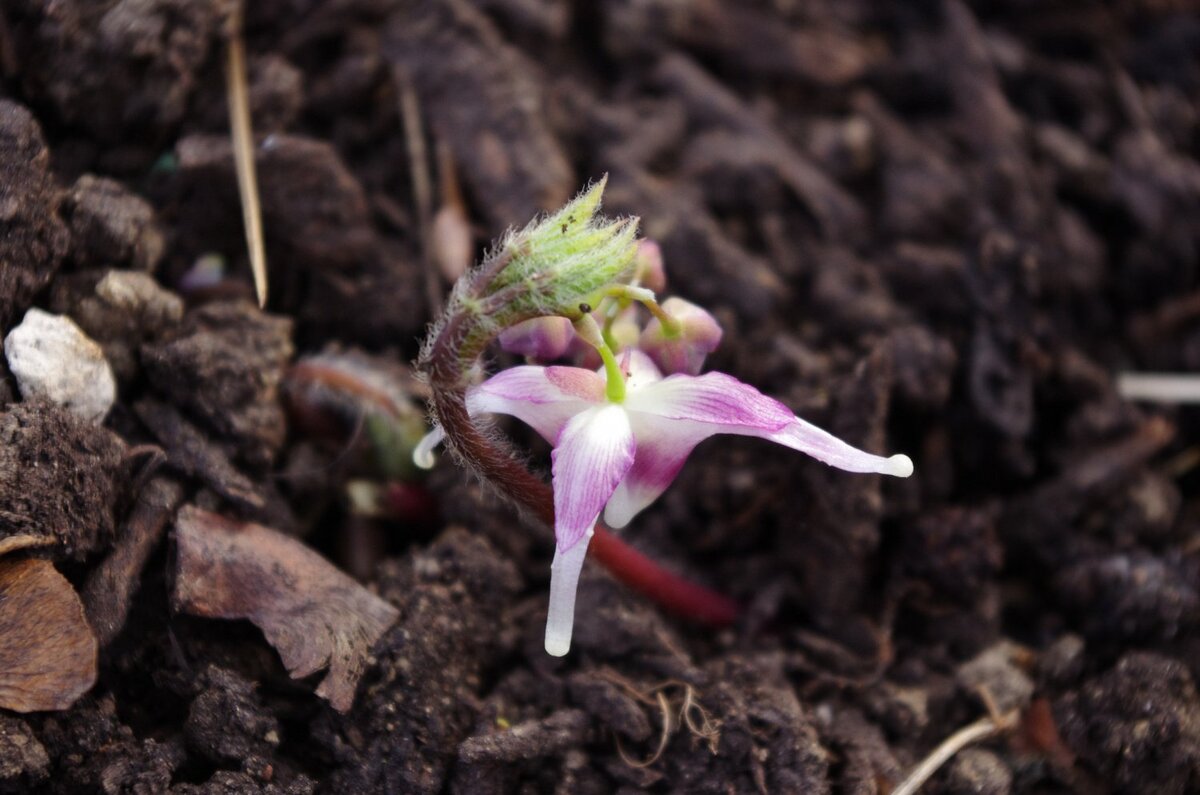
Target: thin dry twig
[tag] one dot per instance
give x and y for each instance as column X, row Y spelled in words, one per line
column 242, row 135
column 979, row 730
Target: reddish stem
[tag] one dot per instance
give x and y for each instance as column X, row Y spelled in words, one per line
column 680, row 596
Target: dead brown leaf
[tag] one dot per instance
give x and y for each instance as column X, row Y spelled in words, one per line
column 47, row 650
column 110, row 586
column 312, row 613
column 24, row 541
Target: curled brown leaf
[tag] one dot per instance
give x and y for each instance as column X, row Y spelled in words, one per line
column 24, row 541
column 313, row 614
column 47, row 650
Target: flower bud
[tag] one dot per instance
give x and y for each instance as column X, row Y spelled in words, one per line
column 542, row 339
column 684, row 351
column 625, row 330
column 562, row 263
column 648, row 266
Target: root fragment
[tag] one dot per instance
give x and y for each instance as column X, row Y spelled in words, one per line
column 682, row 709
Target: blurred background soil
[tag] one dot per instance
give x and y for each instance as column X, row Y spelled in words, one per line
column 936, row 227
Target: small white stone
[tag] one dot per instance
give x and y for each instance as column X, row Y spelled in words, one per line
column 52, row 358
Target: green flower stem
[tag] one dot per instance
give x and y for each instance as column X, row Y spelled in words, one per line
column 589, row 331
column 671, row 326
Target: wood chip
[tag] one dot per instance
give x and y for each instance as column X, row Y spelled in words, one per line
column 47, row 651
column 313, row 614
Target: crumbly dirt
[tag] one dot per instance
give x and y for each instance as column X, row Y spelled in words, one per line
column 937, row 227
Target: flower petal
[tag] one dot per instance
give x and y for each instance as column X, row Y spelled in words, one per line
column 672, row 416
column 825, row 447
column 714, row 399
column 591, row 456
column 640, row 370
column 662, row 449
column 544, row 398
column 542, row 338
column 564, row 581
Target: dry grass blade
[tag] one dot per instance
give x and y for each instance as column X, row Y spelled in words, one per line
column 422, row 185
column 242, row 135
column 450, row 242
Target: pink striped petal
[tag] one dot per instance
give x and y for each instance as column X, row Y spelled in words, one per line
column 593, row 453
column 662, row 449
column 825, row 447
column 545, row 398
column 672, row 416
column 713, row 399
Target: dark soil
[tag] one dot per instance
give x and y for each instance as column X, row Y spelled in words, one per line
column 937, row 227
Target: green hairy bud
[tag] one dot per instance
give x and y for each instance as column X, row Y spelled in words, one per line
column 559, row 265
column 565, row 259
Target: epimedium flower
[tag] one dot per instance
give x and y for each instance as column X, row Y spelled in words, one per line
column 621, row 435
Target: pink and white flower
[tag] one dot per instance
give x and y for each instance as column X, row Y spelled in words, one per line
column 618, row 457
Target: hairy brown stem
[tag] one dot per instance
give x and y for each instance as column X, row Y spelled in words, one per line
column 498, row 465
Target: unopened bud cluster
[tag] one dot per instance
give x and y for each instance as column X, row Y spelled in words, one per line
column 556, row 267
column 677, row 335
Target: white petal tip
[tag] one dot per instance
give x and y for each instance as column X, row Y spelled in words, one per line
column 564, row 579
column 899, row 465
column 558, row 647
column 423, row 455
column 616, row 518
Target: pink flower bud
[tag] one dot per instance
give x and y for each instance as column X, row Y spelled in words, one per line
column 699, row 335
column 625, row 329
column 648, row 266
column 542, row 338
